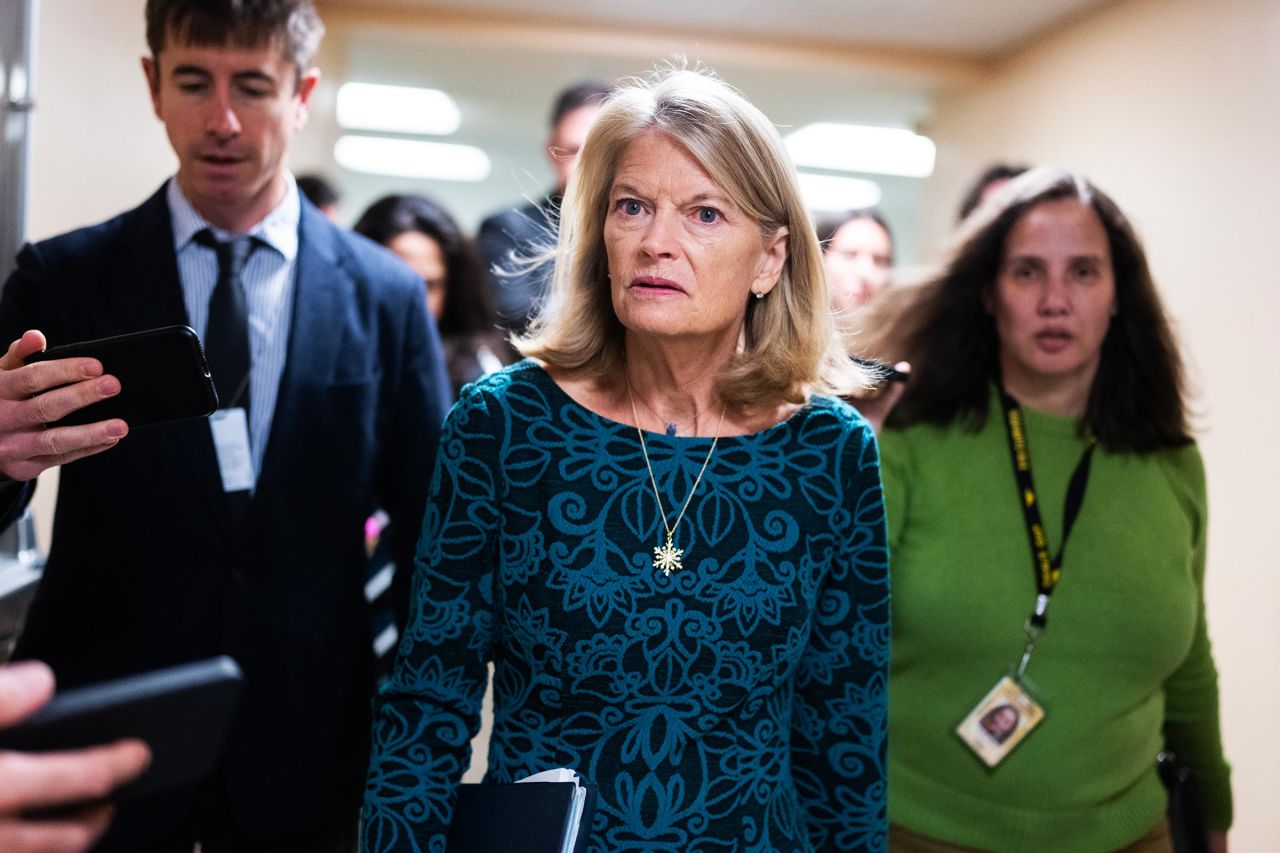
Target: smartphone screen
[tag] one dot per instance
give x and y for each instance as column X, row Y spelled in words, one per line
column 162, row 373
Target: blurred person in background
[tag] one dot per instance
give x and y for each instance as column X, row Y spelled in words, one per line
column 857, row 257
column 428, row 239
column 1047, row 518
column 320, row 192
column 512, row 239
column 857, row 253
column 77, row 783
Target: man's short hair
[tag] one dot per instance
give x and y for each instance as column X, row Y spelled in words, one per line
column 293, row 24
column 586, row 93
column 317, row 189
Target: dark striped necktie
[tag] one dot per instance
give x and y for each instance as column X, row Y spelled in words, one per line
column 226, row 339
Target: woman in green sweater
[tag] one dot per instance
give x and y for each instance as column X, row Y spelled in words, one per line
column 1047, row 518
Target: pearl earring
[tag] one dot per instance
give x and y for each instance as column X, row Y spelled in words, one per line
column 759, row 294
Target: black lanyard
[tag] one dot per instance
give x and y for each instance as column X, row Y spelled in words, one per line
column 1048, row 570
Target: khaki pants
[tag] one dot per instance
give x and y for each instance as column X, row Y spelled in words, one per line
column 905, row 841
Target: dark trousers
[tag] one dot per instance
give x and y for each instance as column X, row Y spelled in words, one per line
column 211, row 826
column 343, row 842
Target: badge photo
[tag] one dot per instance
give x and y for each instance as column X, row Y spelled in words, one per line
column 998, row 723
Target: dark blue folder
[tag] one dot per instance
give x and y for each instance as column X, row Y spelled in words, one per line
column 532, row 817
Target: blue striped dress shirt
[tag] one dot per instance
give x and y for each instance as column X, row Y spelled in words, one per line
column 268, row 278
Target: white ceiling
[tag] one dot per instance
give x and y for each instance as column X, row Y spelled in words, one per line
column 505, row 92
column 972, row 28
column 504, row 82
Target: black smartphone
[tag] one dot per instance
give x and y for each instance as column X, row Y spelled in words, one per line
column 162, row 372
column 182, row 713
column 888, row 373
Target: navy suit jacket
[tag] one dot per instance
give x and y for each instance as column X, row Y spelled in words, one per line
column 145, row 570
column 506, row 239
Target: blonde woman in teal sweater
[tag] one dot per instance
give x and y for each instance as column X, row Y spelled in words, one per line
column 1047, row 519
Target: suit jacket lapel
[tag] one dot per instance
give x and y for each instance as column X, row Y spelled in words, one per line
column 147, row 294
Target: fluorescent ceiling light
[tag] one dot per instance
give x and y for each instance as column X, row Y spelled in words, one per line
column 411, row 158
column 826, row 193
column 397, row 109
column 860, row 148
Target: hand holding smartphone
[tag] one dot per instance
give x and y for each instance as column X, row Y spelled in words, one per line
column 162, row 373
column 75, row 781
column 181, row 713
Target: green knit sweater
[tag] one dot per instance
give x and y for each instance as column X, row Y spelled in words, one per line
column 1124, row 663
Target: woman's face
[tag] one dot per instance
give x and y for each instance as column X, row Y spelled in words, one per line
column 1003, row 721
column 857, row 262
column 1054, row 297
column 683, row 259
column 424, row 256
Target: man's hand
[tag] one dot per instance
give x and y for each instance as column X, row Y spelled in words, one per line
column 44, row 780
column 33, row 395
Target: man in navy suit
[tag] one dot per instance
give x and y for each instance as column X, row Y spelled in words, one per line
column 510, row 237
column 243, row 534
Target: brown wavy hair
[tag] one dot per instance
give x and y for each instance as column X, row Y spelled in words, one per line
column 1138, row 399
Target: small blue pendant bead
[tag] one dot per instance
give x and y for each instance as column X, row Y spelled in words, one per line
column 671, row 429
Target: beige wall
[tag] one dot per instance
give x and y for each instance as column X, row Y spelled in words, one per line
column 96, row 146
column 1173, row 108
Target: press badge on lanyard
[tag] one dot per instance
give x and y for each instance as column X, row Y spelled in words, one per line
column 1010, row 711
column 231, row 442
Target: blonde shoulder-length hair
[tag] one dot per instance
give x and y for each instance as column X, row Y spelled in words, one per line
column 790, row 347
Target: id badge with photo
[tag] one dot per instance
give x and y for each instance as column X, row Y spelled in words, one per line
column 231, row 443
column 1000, row 721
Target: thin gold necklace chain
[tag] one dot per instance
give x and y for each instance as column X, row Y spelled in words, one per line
column 671, row 528
column 671, row 425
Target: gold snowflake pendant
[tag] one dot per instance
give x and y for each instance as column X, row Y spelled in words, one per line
column 666, row 558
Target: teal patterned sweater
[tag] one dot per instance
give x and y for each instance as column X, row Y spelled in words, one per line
column 735, row 705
